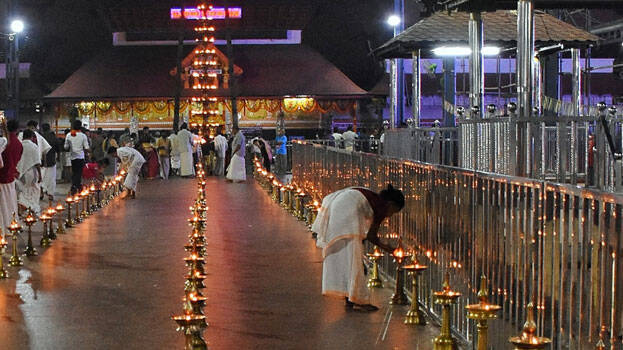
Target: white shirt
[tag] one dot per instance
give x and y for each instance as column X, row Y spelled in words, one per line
column 185, row 141
column 76, row 145
column 349, row 138
column 130, row 157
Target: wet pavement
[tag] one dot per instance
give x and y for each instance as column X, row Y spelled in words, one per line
column 114, row 281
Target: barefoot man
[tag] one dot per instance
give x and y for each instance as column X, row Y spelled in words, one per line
column 347, row 218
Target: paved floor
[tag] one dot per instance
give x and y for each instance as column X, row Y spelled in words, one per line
column 114, row 281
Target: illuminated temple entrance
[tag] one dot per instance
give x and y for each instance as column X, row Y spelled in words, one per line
column 134, row 83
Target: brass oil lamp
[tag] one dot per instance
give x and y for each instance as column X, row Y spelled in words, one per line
column 528, row 340
column 399, row 297
column 45, row 239
column 101, row 194
column 300, row 203
column 51, row 212
column 85, row 194
column 15, row 228
column 95, row 197
column 69, row 222
column 269, row 183
column 196, row 248
column 77, row 218
column 194, row 282
column 415, row 315
column 375, row 280
column 60, row 229
column 192, row 326
column 481, row 313
column 197, row 237
column 601, row 344
column 30, row 220
column 3, row 243
column 197, row 222
column 195, row 263
column 193, row 303
column 287, row 192
column 446, row 298
column 275, row 190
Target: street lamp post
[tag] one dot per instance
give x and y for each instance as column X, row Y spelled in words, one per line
column 16, row 27
column 396, row 20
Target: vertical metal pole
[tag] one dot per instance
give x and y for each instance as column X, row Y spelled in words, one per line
column 393, row 94
column 476, row 71
column 400, row 79
column 576, row 98
column 449, row 89
column 525, row 53
column 416, row 87
column 16, row 72
column 230, row 70
column 178, row 80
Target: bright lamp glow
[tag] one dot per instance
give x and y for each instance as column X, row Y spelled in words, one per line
column 17, row 26
column 490, row 50
column 456, row 51
column 460, row 51
column 393, row 20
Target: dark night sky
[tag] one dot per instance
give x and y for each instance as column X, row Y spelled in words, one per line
column 63, row 34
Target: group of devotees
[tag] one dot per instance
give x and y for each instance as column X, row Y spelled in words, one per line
column 29, row 158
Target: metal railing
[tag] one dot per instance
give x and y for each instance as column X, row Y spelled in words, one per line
column 557, row 245
column 566, row 149
column 430, row 145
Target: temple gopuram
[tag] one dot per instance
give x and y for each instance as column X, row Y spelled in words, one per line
column 276, row 78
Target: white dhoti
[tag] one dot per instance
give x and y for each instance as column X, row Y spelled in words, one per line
column 29, row 191
column 165, row 166
column 236, row 171
column 175, row 162
column 8, row 204
column 186, row 164
column 48, row 181
column 131, row 179
column 219, row 166
column 341, row 225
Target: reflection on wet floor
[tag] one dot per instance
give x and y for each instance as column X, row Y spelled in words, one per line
column 114, row 281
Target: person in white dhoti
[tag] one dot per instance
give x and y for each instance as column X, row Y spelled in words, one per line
column 175, row 154
column 131, row 160
column 185, row 144
column 48, row 163
column 236, row 171
column 29, row 169
column 42, row 144
column 346, row 219
column 11, row 149
column 220, row 147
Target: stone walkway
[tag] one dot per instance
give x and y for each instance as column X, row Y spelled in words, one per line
column 113, row 281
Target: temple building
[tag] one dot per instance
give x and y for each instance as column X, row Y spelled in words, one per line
column 133, row 84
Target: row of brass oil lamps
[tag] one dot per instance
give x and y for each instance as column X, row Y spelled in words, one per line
column 301, row 204
column 305, row 207
column 192, row 322
column 85, row 202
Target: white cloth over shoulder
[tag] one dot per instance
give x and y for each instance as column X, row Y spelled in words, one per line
column 28, row 184
column 220, row 146
column 342, row 223
column 185, row 144
column 236, row 170
column 132, row 161
column 43, row 146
